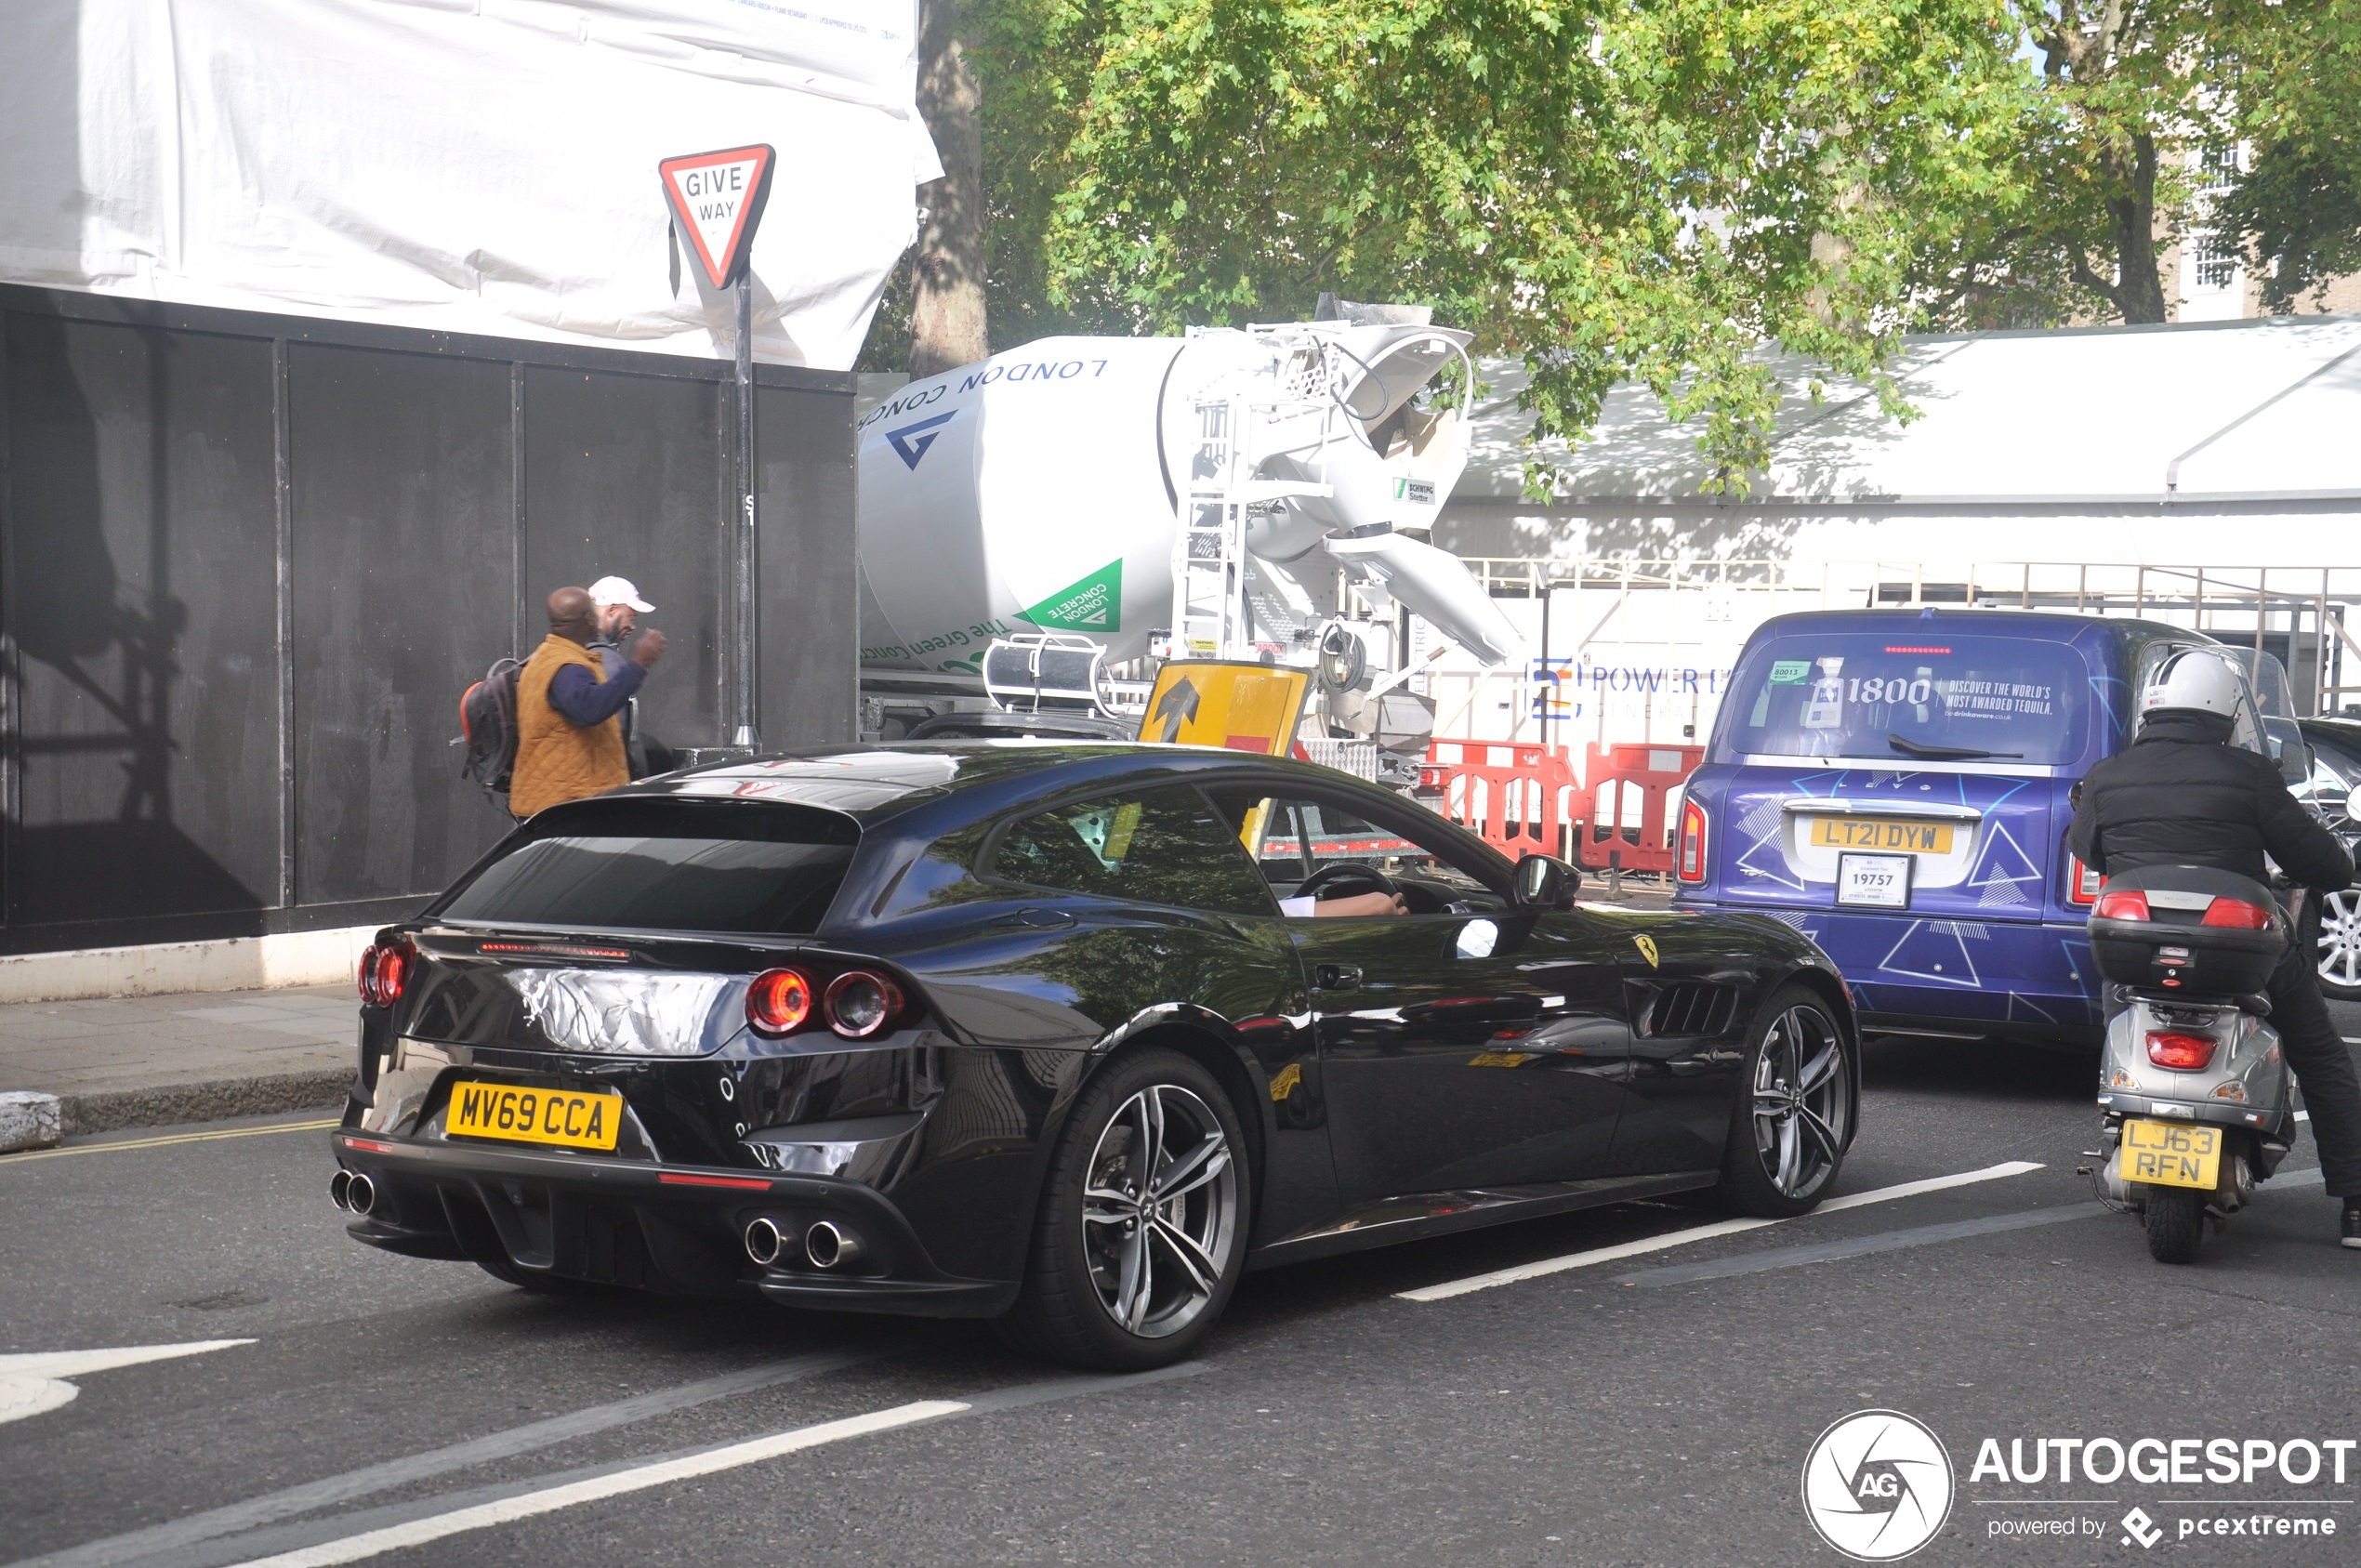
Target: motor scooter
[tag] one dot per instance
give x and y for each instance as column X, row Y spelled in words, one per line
column 2198, row 1099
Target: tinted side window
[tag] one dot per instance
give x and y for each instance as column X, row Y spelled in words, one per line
column 1159, row 846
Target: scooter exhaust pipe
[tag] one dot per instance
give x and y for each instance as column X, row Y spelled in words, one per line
column 339, row 1188
column 828, row 1245
column 361, row 1195
column 765, row 1240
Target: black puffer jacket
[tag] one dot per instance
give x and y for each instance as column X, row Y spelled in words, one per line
column 2184, row 796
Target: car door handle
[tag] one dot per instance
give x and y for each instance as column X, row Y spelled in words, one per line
column 1037, row 919
column 1335, row 977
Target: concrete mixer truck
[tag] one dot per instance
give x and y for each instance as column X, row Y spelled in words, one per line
column 1090, row 504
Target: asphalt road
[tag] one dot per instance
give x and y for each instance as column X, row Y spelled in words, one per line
column 1655, row 1408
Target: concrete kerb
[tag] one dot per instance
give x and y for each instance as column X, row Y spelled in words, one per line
column 115, row 1109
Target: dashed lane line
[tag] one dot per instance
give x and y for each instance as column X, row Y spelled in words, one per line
column 176, row 1535
column 1889, row 1241
column 1591, row 1259
column 546, row 1499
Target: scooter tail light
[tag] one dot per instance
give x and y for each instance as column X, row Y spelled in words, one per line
column 779, row 1001
column 2182, row 1053
column 2238, row 915
column 2122, row 904
column 1691, row 865
column 2082, row 883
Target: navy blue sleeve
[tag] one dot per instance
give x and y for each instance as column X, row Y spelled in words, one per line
column 581, row 699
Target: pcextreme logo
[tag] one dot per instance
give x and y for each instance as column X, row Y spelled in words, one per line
column 1878, row 1485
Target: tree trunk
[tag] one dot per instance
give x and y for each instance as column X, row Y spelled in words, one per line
column 946, row 266
column 2139, row 289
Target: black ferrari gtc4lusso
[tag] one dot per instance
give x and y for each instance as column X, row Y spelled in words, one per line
column 1024, row 1031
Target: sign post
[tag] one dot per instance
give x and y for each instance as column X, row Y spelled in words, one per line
column 716, row 201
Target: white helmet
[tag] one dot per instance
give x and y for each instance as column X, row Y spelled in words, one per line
column 2197, row 678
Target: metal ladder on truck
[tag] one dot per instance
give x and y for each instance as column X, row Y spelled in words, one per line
column 1212, row 608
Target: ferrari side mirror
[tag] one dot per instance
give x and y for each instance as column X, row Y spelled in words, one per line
column 1546, row 882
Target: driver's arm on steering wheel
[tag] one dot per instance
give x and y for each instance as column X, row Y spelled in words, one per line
column 1359, row 904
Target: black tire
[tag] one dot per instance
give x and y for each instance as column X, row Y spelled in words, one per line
column 2176, row 1224
column 1787, row 1142
column 1087, row 1266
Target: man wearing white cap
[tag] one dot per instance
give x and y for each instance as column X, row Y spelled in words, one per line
column 616, row 603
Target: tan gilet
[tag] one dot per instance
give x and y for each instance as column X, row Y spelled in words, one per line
column 558, row 759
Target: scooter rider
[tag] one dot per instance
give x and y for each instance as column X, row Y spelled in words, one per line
column 2182, row 795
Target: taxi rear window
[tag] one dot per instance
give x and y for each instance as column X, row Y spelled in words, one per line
column 1901, row 699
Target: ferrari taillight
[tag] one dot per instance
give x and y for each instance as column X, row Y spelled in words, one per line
column 778, row 1001
column 385, row 971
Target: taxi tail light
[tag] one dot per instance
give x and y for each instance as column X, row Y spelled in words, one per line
column 861, row 1002
column 2082, row 883
column 2182, row 1053
column 2128, row 903
column 1691, row 863
column 2238, row 915
column 385, row 971
column 779, row 1001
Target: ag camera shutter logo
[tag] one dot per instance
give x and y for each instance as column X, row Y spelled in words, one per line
column 1878, row 1485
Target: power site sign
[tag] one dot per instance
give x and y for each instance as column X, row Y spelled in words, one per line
column 717, row 201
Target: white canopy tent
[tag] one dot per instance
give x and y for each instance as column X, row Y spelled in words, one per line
column 461, row 166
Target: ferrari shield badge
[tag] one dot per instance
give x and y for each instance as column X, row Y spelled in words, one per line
column 1647, row 947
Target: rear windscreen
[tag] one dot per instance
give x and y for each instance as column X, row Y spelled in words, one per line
column 1896, row 700
column 668, row 866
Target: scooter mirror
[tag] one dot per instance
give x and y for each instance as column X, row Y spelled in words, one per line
column 2352, row 809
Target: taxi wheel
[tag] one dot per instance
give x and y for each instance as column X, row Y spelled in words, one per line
column 1142, row 1232
column 2339, row 938
column 1794, row 1117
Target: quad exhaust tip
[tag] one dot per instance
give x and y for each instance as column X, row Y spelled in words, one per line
column 764, row 1241
column 352, row 1192
column 826, row 1245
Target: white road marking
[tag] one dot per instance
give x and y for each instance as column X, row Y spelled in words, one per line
column 1706, row 1232
column 639, row 1478
column 32, row 1384
column 252, row 1513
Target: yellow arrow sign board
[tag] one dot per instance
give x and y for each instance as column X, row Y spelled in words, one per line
column 1232, row 706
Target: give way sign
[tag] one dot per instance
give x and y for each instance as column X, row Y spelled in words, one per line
column 716, row 202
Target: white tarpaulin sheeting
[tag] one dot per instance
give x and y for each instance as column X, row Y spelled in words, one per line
column 465, row 166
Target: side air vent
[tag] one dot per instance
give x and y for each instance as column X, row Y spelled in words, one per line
column 1692, row 1008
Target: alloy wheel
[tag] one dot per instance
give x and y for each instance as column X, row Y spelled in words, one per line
column 2340, row 940
column 1160, row 1211
column 1800, row 1102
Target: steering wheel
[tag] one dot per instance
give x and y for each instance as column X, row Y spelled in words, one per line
column 1347, row 871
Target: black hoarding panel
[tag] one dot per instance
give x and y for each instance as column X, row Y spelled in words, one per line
column 405, row 592
column 626, row 476
column 811, row 598
column 141, row 601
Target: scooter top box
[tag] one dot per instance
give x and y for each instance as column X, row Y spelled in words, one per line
column 2187, row 929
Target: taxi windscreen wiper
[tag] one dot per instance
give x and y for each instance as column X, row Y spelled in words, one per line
column 1909, row 747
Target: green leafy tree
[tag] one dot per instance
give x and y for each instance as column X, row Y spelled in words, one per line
column 2299, row 199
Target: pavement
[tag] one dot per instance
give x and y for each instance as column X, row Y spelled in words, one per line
column 138, row 1061
column 207, row 1372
